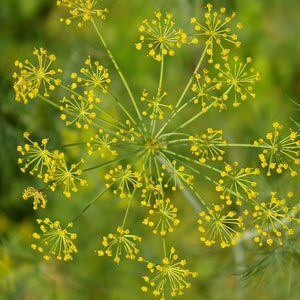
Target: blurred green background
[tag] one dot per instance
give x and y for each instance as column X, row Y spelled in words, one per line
column 270, row 36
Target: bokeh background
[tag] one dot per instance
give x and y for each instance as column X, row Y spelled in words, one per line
column 270, row 36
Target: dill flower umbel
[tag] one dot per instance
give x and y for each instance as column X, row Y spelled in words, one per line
column 60, row 173
column 81, row 110
column 220, row 225
column 237, row 182
column 280, row 153
column 271, row 219
column 149, row 192
column 51, row 166
column 123, row 180
column 33, row 77
column 94, row 76
column 57, row 241
column 237, row 80
column 120, row 244
column 169, row 274
column 102, row 143
column 205, row 89
column 35, row 157
column 39, row 197
column 215, row 30
column 207, row 145
column 83, row 9
column 160, row 36
column 177, row 176
column 154, row 105
column 162, row 217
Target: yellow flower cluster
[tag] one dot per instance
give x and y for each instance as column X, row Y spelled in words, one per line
column 160, row 36
column 170, row 273
column 94, row 76
column 163, row 216
column 80, row 109
column 83, row 9
column 271, row 219
column 120, row 244
column 39, row 198
column 154, row 105
column 58, row 241
column 177, row 176
column 128, row 132
column 123, row 180
column 280, row 153
column 33, row 78
column 102, row 143
column 238, row 183
column 207, row 145
column 50, row 165
column 237, row 80
column 220, row 225
column 149, row 192
column 206, row 90
column 234, row 78
column 215, row 31
column 61, row 173
column 34, row 156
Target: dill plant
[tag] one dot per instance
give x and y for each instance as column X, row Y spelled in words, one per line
column 147, row 154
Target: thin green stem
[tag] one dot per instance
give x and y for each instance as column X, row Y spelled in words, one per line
column 192, row 77
column 192, row 160
column 117, row 68
column 48, row 101
column 111, row 161
column 110, row 116
column 98, row 107
column 91, row 203
column 161, row 75
column 160, row 82
column 191, row 197
column 164, row 246
column 180, row 141
column 175, row 111
column 250, row 201
column 128, row 207
column 122, row 107
column 195, row 117
column 73, row 144
column 158, row 175
column 245, row 145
